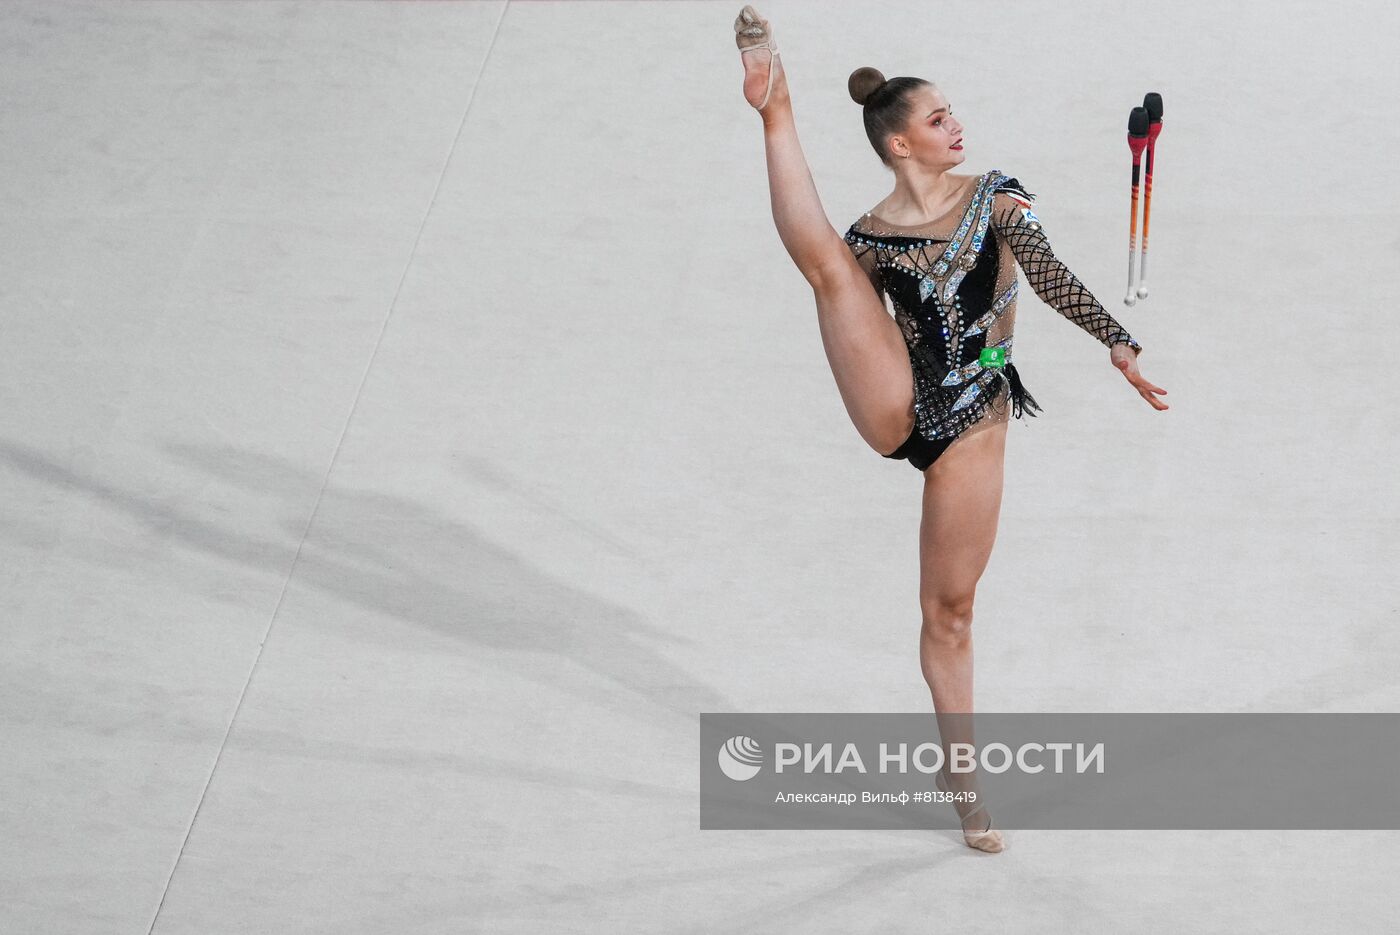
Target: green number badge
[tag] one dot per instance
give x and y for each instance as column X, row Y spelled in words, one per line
column 992, row 357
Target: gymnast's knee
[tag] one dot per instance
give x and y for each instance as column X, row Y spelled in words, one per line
column 947, row 620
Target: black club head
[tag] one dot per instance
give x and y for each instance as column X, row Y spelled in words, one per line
column 1152, row 103
column 1137, row 122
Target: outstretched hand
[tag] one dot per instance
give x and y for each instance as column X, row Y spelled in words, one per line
column 1125, row 359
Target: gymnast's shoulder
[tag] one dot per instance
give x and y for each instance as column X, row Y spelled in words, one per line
column 1011, row 189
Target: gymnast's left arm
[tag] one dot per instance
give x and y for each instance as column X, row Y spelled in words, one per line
column 1014, row 219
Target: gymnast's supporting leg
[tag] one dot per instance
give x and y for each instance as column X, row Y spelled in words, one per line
column 962, row 503
column 863, row 343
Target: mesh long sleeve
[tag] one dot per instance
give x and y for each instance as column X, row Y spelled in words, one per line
column 1014, row 219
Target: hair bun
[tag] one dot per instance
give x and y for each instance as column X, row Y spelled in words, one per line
column 863, row 83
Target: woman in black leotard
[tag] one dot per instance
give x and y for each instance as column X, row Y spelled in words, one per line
column 953, row 285
column 935, row 383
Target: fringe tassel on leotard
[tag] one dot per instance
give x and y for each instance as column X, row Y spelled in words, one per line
column 1021, row 401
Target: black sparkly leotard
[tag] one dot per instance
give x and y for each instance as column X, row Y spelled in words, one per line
column 953, row 285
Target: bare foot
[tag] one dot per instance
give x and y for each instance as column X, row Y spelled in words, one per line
column 764, row 83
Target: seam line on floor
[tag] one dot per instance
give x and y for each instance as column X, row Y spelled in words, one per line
column 325, row 481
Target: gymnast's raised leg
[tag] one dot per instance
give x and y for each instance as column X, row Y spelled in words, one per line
column 863, row 343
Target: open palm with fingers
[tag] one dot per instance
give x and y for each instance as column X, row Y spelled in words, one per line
column 1125, row 359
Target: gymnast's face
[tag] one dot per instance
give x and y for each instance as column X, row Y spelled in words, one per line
column 932, row 133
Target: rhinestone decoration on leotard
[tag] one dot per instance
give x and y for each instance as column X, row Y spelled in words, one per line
column 969, row 258
column 985, row 322
column 946, row 260
column 968, row 371
column 973, row 391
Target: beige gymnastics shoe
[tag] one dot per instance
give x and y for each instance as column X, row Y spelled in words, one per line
column 751, row 34
column 988, row 839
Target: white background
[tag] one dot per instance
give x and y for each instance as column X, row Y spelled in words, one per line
column 410, row 421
